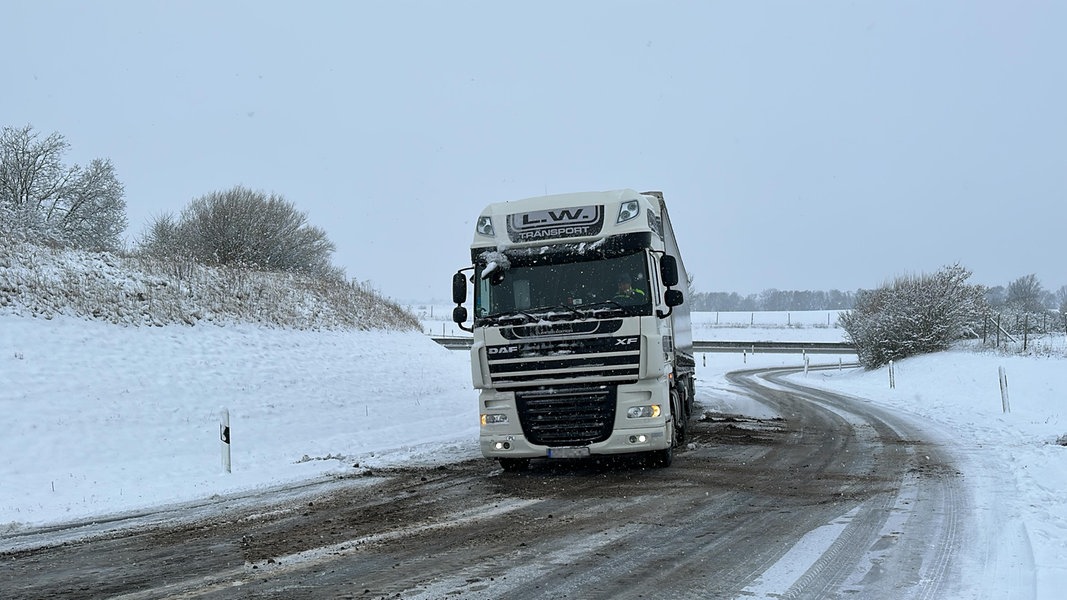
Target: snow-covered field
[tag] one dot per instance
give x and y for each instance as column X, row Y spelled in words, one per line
column 100, row 418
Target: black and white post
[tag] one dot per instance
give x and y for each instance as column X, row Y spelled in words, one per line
column 224, row 436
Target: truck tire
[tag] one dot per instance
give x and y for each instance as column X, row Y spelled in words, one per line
column 680, row 416
column 514, row 465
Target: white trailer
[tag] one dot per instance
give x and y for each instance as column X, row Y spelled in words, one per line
column 582, row 344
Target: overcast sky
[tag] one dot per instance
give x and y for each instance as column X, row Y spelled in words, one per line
column 800, row 145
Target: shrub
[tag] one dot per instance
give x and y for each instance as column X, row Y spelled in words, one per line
column 243, row 228
column 914, row 315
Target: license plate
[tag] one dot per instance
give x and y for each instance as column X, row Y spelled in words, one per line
column 580, row 452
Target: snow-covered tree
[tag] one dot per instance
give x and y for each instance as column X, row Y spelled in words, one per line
column 996, row 296
column 93, row 214
column 1060, row 299
column 1026, row 295
column 44, row 200
column 914, row 315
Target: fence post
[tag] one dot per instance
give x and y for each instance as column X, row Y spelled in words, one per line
column 892, row 377
column 1004, row 404
column 224, row 436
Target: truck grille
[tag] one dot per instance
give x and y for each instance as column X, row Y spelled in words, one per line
column 567, row 416
column 614, row 359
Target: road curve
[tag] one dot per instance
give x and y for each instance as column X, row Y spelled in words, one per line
column 837, row 498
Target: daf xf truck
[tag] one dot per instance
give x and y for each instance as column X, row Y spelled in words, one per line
column 582, row 340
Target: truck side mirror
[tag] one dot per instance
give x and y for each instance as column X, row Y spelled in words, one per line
column 459, row 314
column 673, row 297
column 459, row 289
column 668, row 270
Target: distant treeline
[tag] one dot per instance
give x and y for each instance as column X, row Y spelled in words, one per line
column 1023, row 295
column 772, row 300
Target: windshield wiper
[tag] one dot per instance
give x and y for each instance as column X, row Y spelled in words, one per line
column 510, row 314
column 577, row 314
column 611, row 303
column 607, row 305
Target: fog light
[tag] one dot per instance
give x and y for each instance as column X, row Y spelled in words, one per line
column 638, row 439
column 643, row 412
column 502, row 445
column 494, row 419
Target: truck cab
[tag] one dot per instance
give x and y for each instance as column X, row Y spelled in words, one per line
column 582, row 345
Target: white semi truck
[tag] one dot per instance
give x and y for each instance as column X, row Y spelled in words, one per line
column 582, row 345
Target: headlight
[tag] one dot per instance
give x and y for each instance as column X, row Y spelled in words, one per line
column 628, row 210
column 494, row 419
column 643, row 412
column 485, row 226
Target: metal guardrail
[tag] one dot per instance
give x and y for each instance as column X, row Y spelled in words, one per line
column 454, row 342
column 464, row 342
column 776, row 347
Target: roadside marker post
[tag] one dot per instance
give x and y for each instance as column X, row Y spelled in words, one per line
column 224, row 436
column 1004, row 404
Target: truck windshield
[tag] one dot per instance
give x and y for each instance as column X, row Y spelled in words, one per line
column 619, row 284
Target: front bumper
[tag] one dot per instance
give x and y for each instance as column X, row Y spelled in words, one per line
column 621, row 441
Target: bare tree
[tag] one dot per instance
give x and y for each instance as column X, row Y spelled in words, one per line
column 93, row 214
column 31, row 171
column 246, row 228
column 162, row 238
column 1026, row 295
column 43, row 198
column 996, row 296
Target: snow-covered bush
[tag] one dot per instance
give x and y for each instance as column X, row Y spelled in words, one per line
column 914, row 315
column 242, row 227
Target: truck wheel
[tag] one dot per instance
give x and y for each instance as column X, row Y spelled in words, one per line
column 512, row 465
column 680, row 419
